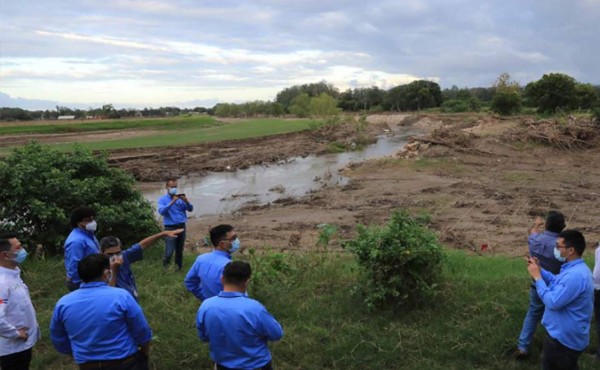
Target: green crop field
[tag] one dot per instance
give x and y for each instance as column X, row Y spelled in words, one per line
column 174, row 132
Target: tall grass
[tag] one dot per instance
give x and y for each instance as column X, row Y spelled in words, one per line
column 474, row 323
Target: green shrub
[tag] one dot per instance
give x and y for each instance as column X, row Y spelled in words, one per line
column 507, row 102
column 402, row 261
column 596, row 115
column 454, row 106
column 41, row 186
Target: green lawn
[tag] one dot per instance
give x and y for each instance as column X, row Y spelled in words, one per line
column 473, row 324
column 187, row 131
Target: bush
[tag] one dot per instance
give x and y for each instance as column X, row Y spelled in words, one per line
column 402, row 261
column 454, row 106
column 506, row 102
column 596, row 115
column 41, row 186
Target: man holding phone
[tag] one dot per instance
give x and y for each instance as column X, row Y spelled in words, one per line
column 173, row 207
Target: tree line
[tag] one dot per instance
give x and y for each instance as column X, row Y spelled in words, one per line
column 553, row 92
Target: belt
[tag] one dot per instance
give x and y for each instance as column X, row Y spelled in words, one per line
column 106, row 363
column 176, row 226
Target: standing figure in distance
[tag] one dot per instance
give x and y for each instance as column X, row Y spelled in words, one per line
column 81, row 242
column 173, row 207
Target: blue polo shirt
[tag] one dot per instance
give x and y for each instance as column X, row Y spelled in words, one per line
column 568, row 299
column 541, row 245
column 204, row 277
column 125, row 278
column 79, row 244
column 98, row 323
column 237, row 328
column 175, row 213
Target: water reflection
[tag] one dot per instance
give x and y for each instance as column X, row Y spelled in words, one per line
column 224, row 192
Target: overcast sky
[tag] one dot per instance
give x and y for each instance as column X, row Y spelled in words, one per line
column 195, row 53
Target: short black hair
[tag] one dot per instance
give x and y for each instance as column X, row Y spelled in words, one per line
column 219, row 233
column 555, row 221
column 109, row 242
column 92, row 267
column 573, row 239
column 168, row 180
column 237, row 272
column 5, row 237
column 81, row 213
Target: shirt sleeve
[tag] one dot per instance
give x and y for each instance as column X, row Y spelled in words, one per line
column 134, row 254
column 192, row 281
column 163, row 206
column 200, row 325
column 58, row 333
column 558, row 294
column 76, row 254
column 596, row 273
column 268, row 327
column 136, row 321
column 189, row 206
column 7, row 330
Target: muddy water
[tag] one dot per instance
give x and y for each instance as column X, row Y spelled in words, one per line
column 225, row 192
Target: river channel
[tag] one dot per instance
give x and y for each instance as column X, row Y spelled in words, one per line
column 219, row 193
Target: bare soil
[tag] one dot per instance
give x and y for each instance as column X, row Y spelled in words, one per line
column 481, row 188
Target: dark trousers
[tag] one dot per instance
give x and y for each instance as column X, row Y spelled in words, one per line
column 266, row 367
column 139, row 362
column 16, row 361
column 174, row 245
column 556, row 356
column 597, row 314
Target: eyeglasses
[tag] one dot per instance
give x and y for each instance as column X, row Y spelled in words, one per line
column 561, row 246
column 230, row 239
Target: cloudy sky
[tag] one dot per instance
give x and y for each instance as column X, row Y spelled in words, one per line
column 135, row 53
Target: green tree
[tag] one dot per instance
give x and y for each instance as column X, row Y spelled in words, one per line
column 587, row 97
column 323, row 106
column 300, row 106
column 41, row 186
column 507, row 98
column 554, row 91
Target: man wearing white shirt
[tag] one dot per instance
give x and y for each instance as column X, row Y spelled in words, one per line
column 19, row 329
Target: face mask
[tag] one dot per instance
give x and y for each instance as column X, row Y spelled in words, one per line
column 20, row 257
column 91, row 226
column 172, row 191
column 558, row 256
column 235, row 245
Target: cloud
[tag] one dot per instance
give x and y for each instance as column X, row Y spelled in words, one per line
column 157, row 52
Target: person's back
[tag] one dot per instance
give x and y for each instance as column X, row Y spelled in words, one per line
column 238, row 328
column 204, row 278
column 98, row 323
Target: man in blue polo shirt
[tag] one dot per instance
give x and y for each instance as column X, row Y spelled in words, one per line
column 99, row 326
column 541, row 246
column 173, row 207
column 204, row 278
column 568, row 299
column 81, row 242
column 121, row 260
column 237, row 328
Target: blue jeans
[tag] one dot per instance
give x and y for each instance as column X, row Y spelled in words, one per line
column 532, row 319
column 174, row 244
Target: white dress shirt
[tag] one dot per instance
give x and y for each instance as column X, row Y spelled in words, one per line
column 16, row 311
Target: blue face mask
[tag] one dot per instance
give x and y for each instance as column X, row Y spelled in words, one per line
column 235, row 245
column 20, row 257
column 172, row 191
column 558, row 256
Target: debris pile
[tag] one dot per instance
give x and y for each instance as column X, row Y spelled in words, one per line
column 562, row 133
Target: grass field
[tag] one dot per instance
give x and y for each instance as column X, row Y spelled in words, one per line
column 176, row 131
column 474, row 323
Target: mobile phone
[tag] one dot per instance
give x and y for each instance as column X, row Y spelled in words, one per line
column 181, row 195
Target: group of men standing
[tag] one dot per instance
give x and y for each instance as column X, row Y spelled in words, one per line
column 105, row 328
column 561, row 295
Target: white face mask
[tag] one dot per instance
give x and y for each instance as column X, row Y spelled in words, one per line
column 91, row 226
